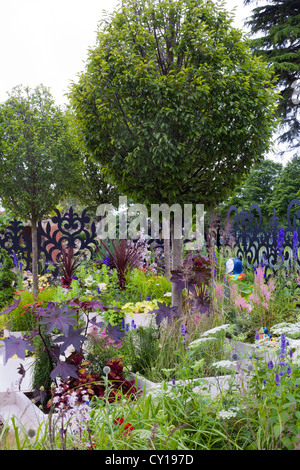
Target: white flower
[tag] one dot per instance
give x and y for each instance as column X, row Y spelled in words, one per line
column 195, row 344
column 102, row 286
column 224, row 365
column 227, row 414
column 216, row 329
column 89, row 281
column 168, row 294
column 291, row 329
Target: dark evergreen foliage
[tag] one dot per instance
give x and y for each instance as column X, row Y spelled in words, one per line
column 276, row 26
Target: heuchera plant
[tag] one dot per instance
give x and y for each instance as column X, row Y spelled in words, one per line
column 60, row 317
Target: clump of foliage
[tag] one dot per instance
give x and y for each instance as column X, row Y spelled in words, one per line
column 94, row 385
column 70, row 319
column 124, row 257
column 68, row 266
column 194, row 276
column 6, row 280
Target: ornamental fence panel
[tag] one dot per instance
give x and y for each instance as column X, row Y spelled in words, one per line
column 270, row 245
column 242, row 234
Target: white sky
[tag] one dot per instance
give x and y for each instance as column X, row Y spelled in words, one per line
column 47, row 41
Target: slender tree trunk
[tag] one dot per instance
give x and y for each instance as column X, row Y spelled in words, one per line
column 35, row 286
column 166, row 234
column 176, row 263
column 167, row 257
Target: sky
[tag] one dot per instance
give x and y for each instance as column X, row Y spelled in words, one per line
column 47, row 42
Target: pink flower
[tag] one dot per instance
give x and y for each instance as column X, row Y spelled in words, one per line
column 271, row 284
column 233, row 290
column 219, row 291
column 259, row 276
column 240, row 302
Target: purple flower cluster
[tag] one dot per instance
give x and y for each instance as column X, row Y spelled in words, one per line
column 284, row 362
column 183, row 332
column 280, row 243
column 295, row 246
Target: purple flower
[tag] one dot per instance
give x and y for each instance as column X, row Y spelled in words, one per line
column 270, row 365
column 277, row 379
column 288, row 371
column 106, row 260
column 15, row 259
column 280, row 242
column 295, row 245
column 183, row 330
column 283, row 345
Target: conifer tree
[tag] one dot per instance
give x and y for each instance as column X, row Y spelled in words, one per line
column 276, row 26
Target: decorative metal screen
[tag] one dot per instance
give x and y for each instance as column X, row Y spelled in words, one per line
column 257, row 244
column 254, row 243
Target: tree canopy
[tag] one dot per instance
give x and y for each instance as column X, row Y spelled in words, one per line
column 37, row 157
column 173, row 102
column 286, row 188
column 276, row 26
column 257, row 187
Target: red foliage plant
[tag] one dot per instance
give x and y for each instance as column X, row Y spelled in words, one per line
column 93, row 384
column 68, row 265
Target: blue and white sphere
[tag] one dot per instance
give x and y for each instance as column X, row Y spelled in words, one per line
column 233, row 266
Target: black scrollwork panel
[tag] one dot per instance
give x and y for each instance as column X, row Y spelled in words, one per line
column 65, row 231
column 17, row 240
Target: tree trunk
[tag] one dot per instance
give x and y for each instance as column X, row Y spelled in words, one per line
column 35, row 285
column 166, row 234
column 167, row 257
column 176, row 263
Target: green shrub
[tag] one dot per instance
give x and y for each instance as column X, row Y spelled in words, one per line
column 7, row 279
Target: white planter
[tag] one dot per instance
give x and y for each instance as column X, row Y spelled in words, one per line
column 140, row 319
column 213, row 386
column 26, row 413
column 17, row 334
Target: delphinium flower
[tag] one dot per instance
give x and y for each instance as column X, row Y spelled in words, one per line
column 277, row 379
column 280, row 243
column 295, row 245
column 183, row 332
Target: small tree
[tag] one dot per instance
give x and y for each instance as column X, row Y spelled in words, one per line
column 173, row 104
column 37, row 158
column 6, row 280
